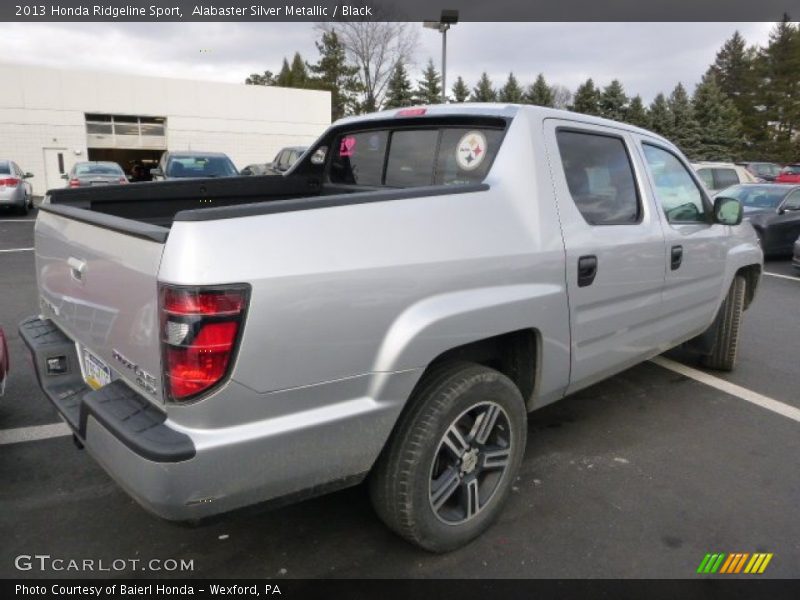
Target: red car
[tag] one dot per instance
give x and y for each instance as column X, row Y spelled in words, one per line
column 3, row 361
column 789, row 174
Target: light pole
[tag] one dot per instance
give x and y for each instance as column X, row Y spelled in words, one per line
column 448, row 18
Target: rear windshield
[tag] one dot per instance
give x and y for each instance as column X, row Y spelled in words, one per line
column 792, row 169
column 756, row 196
column 201, row 166
column 413, row 157
column 98, row 170
column 5, row 168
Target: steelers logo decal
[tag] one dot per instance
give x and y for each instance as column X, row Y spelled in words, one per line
column 470, row 150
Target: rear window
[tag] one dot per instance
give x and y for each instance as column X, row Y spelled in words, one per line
column 724, row 178
column 5, row 168
column 98, row 170
column 201, row 166
column 415, row 157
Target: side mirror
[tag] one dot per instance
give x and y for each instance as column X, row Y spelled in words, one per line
column 156, row 172
column 64, row 176
column 27, row 175
column 727, row 211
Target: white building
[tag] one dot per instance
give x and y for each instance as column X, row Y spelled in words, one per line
column 52, row 118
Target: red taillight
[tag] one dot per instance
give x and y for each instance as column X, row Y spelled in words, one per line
column 9, row 181
column 410, row 112
column 73, row 183
column 199, row 331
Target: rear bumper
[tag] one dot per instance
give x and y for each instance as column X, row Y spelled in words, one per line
column 184, row 472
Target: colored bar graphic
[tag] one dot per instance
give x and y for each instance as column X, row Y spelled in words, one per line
column 703, row 563
column 765, row 563
column 731, row 564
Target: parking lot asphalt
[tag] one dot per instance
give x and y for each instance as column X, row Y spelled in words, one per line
column 638, row 476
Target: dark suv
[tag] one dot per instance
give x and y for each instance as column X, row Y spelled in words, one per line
column 193, row 165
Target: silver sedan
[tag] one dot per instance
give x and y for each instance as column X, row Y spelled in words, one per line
column 15, row 191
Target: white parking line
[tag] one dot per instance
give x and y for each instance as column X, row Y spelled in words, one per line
column 780, row 408
column 35, row 433
column 789, row 277
column 17, row 220
column 18, row 250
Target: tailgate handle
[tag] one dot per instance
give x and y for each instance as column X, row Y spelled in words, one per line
column 77, row 268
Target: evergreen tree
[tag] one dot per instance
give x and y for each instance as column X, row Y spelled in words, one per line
column 587, row 99
column 613, row 102
column 511, row 92
column 484, row 91
column 661, row 120
column 686, row 132
column 540, row 93
column 779, row 73
column 637, row 113
column 298, row 72
column 429, row 88
column 266, row 78
column 398, row 90
column 460, row 90
column 332, row 73
column 734, row 69
column 718, row 118
column 284, row 78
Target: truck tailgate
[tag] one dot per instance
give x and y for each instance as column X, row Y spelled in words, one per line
column 98, row 283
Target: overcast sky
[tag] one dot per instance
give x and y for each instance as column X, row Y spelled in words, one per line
column 646, row 57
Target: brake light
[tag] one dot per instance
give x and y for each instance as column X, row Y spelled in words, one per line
column 73, row 183
column 9, row 181
column 411, row 112
column 200, row 329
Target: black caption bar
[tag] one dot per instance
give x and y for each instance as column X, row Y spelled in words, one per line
column 400, row 10
column 369, row 589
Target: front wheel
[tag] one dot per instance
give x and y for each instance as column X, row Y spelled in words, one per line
column 452, row 459
column 727, row 325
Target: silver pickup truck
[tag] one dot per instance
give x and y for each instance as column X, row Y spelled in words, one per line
column 390, row 309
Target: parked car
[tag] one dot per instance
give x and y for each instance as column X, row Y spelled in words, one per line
column 796, row 254
column 717, row 176
column 763, row 171
column 789, row 174
column 396, row 314
column 774, row 211
column 286, row 157
column 193, row 165
column 93, row 173
column 16, row 191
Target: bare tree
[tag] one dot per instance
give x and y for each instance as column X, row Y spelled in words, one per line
column 562, row 96
column 376, row 48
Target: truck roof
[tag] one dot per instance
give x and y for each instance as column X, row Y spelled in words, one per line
column 493, row 109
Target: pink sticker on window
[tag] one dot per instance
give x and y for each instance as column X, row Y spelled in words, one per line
column 348, row 146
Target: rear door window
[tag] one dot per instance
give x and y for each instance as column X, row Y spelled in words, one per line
column 599, row 177
column 724, row 178
column 414, row 157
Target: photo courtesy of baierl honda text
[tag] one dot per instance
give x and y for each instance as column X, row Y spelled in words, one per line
column 396, row 299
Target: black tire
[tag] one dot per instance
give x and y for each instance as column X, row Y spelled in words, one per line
column 406, row 483
column 726, row 336
column 23, row 210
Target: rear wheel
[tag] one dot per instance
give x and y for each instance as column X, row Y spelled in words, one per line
column 451, row 462
column 23, row 210
column 726, row 336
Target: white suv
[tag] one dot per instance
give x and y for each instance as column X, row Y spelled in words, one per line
column 717, row 176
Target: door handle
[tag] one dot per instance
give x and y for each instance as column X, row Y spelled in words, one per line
column 587, row 270
column 675, row 257
column 77, row 268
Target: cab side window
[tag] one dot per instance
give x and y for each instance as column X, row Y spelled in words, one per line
column 599, row 177
column 680, row 197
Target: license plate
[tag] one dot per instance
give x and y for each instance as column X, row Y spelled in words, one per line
column 96, row 373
